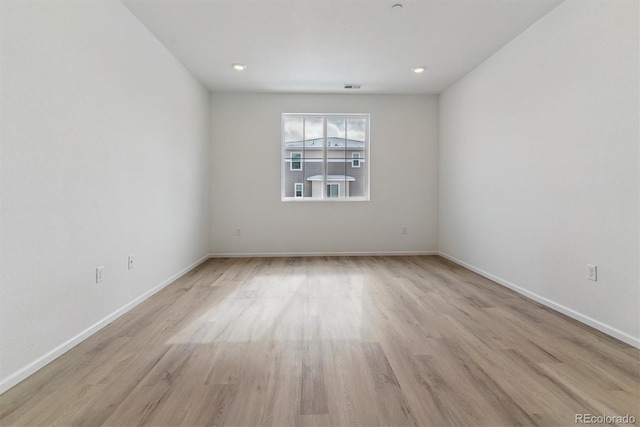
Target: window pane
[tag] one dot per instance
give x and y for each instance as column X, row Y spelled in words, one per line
column 327, row 166
column 335, row 127
column 293, row 134
column 346, row 139
column 337, row 144
column 313, row 128
column 314, row 156
column 292, row 129
column 356, row 131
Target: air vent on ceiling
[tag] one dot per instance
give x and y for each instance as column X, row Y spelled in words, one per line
column 352, row 86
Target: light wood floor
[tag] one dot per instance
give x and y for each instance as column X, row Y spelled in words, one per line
column 333, row 341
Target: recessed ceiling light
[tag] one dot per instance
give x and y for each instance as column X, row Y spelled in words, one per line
column 397, row 7
column 239, row 67
column 419, row 70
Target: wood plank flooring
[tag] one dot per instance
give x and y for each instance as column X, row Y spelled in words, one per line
column 389, row 341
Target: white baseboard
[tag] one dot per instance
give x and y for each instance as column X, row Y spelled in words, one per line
column 609, row 330
column 39, row 363
column 311, row 254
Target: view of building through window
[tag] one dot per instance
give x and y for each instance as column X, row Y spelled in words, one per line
column 325, row 157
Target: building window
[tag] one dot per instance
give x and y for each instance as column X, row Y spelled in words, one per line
column 355, row 160
column 296, row 162
column 333, row 190
column 325, row 157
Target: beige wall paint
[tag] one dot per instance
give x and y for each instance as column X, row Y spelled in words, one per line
column 246, row 178
column 539, row 170
column 105, row 146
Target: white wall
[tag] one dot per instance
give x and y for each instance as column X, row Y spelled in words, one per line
column 105, row 146
column 246, row 178
column 539, row 164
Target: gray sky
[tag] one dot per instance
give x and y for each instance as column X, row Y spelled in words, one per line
column 355, row 128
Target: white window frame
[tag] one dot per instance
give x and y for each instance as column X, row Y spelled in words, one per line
column 297, row 161
column 355, row 157
column 295, row 190
column 325, row 160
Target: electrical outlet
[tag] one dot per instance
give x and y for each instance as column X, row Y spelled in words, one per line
column 592, row 272
column 404, row 230
column 130, row 262
column 237, row 231
column 99, row 274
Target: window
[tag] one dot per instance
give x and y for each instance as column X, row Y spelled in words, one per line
column 325, row 157
column 296, row 163
column 333, row 190
column 355, row 160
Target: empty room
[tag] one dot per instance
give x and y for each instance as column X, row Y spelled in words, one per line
column 319, row 212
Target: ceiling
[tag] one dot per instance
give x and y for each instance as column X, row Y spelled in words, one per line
column 317, row 46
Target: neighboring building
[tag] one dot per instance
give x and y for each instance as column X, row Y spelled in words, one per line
column 303, row 173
